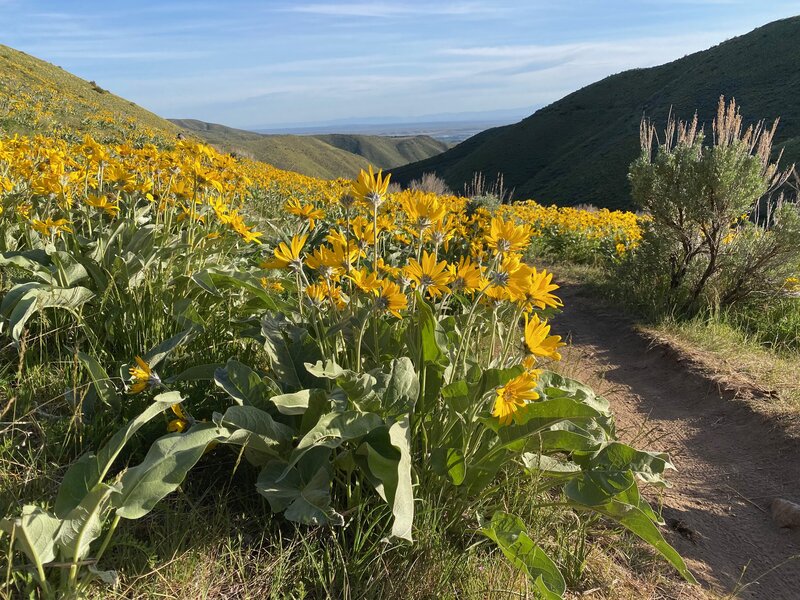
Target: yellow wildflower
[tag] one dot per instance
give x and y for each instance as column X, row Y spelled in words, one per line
column 513, row 396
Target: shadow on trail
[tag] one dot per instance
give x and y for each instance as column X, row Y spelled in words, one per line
column 731, row 459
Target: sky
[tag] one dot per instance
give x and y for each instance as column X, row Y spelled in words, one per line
column 257, row 64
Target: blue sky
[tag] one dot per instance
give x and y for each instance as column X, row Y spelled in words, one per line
column 250, row 64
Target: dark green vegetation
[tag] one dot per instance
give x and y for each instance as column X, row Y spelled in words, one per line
column 323, row 156
column 578, row 149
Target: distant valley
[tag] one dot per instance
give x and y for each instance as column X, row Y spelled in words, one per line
column 327, row 155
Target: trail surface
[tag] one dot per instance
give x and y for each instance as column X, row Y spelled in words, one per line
column 731, row 461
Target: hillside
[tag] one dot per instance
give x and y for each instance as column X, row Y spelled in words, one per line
column 578, row 149
column 384, row 151
column 325, row 156
column 38, row 97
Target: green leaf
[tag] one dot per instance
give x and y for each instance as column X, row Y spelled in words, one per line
column 637, row 522
column 196, row 373
column 430, row 335
column 90, row 469
column 325, row 370
column 333, row 429
column 158, row 353
column 296, row 403
column 280, row 357
column 398, row 386
column 163, row 469
column 302, row 494
column 243, row 384
column 493, row 378
column 449, row 462
column 648, row 466
column 35, row 532
column 535, row 417
column 553, row 385
column 597, row 487
column 103, row 385
column 84, row 523
column 510, row 534
column 457, row 396
column 36, row 297
column 388, row 458
column 549, row 464
column 254, row 428
column 212, row 280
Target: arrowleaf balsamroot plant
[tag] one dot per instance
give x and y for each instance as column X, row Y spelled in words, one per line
column 362, row 350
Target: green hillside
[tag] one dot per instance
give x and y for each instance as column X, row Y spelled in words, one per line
column 577, row 150
column 38, row 97
column 324, row 156
column 385, row 151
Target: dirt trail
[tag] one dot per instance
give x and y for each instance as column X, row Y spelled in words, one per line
column 731, row 460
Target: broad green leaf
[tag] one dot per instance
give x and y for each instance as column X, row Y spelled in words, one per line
column 553, row 385
column 15, row 294
column 40, row 297
column 333, row 429
column 212, row 280
column 388, row 458
column 430, row 335
column 494, row 378
column 254, row 428
column 35, row 532
column 564, row 438
column 303, row 495
column 397, row 385
column 84, row 523
column 636, row 521
column 243, row 384
column 510, row 534
column 196, row 373
column 549, row 464
column 280, row 357
column 457, row 396
column 325, row 370
column 163, row 469
column 158, row 353
column 536, row 417
column 449, row 462
column 103, row 385
column 649, row 466
column 296, row 403
column 597, row 487
column 90, row 469
column 108, row 577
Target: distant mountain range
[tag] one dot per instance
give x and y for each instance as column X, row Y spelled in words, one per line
column 325, row 156
column 578, row 149
column 503, row 115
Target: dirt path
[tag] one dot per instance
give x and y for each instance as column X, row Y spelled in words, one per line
column 731, row 461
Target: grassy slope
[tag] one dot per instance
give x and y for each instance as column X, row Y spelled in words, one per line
column 294, row 153
column 384, row 151
column 325, row 156
column 63, row 101
column 578, row 149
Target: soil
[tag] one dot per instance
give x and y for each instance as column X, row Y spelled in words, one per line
column 732, row 459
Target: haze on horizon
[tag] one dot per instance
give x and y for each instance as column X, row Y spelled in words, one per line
column 265, row 64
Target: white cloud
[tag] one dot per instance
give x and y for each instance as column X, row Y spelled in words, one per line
column 391, row 9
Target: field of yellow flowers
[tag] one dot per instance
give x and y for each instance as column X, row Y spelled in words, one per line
column 370, row 358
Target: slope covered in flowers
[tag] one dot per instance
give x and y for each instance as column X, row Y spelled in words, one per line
column 384, row 354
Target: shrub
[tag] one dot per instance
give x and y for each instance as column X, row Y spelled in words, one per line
column 717, row 235
column 430, row 183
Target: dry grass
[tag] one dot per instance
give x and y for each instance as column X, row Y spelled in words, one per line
column 730, row 357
